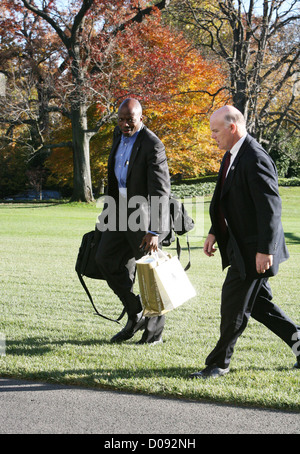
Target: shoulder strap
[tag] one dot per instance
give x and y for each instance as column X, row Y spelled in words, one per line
column 178, row 250
column 91, row 300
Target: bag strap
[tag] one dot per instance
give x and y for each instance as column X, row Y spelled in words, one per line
column 179, row 249
column 91, row 300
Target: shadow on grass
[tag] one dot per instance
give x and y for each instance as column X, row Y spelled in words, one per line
column 291, row 238
column 157, row 382
column 42, row 346
column 33, row 204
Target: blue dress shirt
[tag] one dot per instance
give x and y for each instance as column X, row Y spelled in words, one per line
column 122, row 158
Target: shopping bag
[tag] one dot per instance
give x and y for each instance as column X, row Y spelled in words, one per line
column 173, row 284
column 149, row 293
column 164, row 285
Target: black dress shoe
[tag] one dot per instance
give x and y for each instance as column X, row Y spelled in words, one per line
column 129, row 330
column 150, row 342
column 212, row 371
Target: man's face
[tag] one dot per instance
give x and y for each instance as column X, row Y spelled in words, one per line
column 129, row 120
column 221, row 132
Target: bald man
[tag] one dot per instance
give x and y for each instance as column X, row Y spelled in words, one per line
column 245, row 214
column 138, row 177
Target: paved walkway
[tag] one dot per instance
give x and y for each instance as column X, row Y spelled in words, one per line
column 40, row 408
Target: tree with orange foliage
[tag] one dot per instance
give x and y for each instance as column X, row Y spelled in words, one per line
column 177, row 109
column 171, row 80
column 75, row 67
column 88, row 32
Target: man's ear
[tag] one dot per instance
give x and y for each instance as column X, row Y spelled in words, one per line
column 233, row 128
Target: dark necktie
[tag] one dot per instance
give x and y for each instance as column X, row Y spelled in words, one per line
column 223, row 224
column 225, row 167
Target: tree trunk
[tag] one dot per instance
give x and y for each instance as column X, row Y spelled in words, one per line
column 82, row 187
column 82, row 181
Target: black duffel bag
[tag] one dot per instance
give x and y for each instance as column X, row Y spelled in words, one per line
column 86, row 265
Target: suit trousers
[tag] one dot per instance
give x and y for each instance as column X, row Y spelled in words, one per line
column 241, row 299
column 116, row 256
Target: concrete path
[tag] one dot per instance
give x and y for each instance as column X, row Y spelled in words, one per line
column 40, row 408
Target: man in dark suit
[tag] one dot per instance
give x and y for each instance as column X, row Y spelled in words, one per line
column 136, row 208
column 245, row 214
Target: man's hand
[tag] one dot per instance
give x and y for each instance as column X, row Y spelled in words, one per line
column 263, row 262
column 149, row 242
column 209, row 245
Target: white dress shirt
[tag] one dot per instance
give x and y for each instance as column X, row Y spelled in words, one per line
column 234, row 151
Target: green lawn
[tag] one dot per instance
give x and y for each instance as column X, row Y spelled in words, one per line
column 52, row 334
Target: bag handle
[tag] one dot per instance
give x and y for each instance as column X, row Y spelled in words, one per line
column 91, row 300
column 162, row 254
column 159, row 254
column 178, row 250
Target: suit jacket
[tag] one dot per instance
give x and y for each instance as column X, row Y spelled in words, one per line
column 252, row 207
column 147, row 176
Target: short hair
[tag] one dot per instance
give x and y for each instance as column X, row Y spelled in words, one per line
column 235, row 117
column 134, row 101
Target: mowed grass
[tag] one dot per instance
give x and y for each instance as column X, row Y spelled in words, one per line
column 52, row 334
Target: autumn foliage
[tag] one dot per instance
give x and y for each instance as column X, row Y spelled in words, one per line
column 118, row 58
column 171, row 80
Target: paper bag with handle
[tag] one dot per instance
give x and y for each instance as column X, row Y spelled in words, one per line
column 164, row 285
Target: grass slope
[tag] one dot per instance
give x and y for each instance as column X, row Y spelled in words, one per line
column 52, row 334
